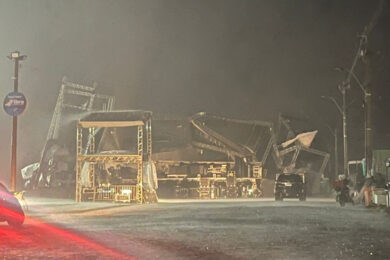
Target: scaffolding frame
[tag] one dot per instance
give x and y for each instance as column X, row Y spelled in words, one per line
column 69, row 92
column 215, row 141
column 76, row 90
column 297, row 149
column 89, row 155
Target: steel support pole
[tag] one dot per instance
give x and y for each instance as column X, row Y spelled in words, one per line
column 368, row 110
column 343, row 111
column 368, row 133
column 336, row 154
column 14, row 131
column 345, row 137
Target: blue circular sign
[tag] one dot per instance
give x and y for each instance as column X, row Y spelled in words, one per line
column 14, row 103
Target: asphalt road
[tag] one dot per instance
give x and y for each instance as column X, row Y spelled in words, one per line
column 222, row 229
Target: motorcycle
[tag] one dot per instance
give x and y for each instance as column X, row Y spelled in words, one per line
column 343, row 195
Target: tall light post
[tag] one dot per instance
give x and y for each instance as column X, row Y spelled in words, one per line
column 367, row 124
column 334, row 132
column 336, row 154
column 343, row 111
column 362, row 53
column 16, row 57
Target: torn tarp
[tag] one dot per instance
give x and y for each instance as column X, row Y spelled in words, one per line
column 304, row 139
column 150, row 176
column 29, row 171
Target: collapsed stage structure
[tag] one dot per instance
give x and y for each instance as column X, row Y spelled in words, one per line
column 56, row 163
column 296, row 154
column 113, row 166
column 209, row 156
column 101, row 166
column 203, row 156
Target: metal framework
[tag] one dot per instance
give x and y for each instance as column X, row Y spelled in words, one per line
column 297, row 149
column 217, row 142
column 88, row 157
column 139, row 189
column 213, row 180
column 73, row 90
column 78, row 98
column 246, row 154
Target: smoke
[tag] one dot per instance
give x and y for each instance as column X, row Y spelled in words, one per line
column 244, row 59
column 71, row 118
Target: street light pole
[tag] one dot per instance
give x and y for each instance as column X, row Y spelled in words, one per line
column 16, row 57
column 343, row 90
column 343, row 111
column 368, row 132
column 368, row 110
column 365, row 88
column 334, row 132
column 363, row 53
column 336, row 154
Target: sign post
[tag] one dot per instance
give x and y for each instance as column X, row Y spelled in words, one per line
column 14, row 104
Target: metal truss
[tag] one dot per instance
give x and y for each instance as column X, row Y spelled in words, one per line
column 88, row 155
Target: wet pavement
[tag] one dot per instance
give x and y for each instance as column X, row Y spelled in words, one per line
column 193, row 229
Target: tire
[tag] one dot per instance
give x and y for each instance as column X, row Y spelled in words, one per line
column 343, row 198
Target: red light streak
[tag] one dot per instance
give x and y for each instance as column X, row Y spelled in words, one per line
column 47, row 236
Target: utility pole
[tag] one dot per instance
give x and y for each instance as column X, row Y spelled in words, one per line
column 364, row 54
column 336, row 154
column 16, row 57
column 367, row 115
column 343, row 89
column 368, row 107
column 368, row 132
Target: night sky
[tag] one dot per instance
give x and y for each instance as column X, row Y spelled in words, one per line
column 243, row 59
